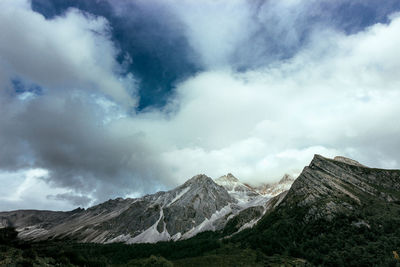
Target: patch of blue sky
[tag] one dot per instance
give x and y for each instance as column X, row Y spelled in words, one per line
column 25, row 89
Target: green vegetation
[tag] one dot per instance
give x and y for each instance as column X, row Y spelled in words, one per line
column 369, row 237
column 203, row 250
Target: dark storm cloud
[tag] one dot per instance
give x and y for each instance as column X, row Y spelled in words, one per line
column 76, row 200
column 66, row 135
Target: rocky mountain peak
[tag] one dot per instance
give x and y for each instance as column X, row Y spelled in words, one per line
column 199, row 179
column 343, row 184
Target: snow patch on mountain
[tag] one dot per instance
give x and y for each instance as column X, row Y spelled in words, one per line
column 31, row 232
column 178, row 196
column 208, row 224
column 151, row 235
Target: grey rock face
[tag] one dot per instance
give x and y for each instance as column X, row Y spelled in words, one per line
column 328, row 187
column 202, row 199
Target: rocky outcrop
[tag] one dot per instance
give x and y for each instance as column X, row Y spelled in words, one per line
column 348, row 161
column 328, row 187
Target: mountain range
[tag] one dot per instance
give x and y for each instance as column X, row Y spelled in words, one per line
column 200, row 204
column 337, row 212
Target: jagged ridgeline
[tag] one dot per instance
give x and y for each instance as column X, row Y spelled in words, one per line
column 200, row 204
column 337, row 212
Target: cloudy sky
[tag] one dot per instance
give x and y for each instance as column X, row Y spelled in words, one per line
column 101, row 99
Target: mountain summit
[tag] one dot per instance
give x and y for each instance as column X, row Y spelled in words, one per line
column 340, row 185
column 238, row 190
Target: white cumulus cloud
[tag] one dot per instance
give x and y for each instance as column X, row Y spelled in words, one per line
column 70, row 51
